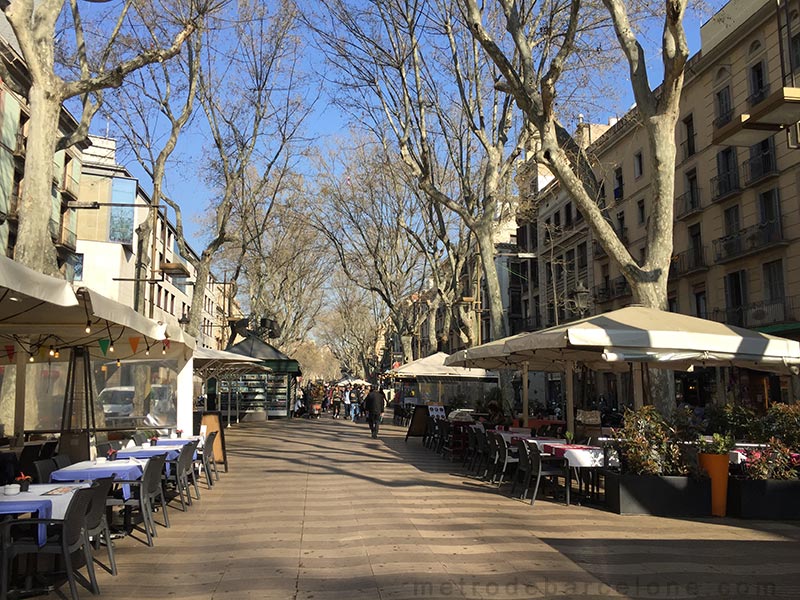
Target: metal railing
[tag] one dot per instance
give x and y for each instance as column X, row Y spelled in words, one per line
column 758, row 95
column 760, row 314
column 723, row 119
column 688, row 203
column 688, row 261
column 725, row 184
column 747, row 240
column 759, row 167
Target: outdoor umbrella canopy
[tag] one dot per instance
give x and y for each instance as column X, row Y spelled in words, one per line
column 350, row 381
column 214, row 363
column 23, row 290
column 640, row 334
column 436, row 365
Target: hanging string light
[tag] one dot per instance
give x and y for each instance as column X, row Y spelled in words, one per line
column 57, row 354
column 52, row 350
column 164, row 349
column 110, row 339
column 147, row 352
column 119, row 363
column 88, row 328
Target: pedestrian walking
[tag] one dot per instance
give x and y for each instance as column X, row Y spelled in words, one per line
column 337, row 403
column 375, row 404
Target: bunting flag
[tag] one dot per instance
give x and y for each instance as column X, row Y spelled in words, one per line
column 104, row 344
column 10, row 352
column 134, row 342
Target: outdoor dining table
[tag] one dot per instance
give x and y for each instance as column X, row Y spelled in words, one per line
column 45, row 500
column 175, row 441
column 88, row 470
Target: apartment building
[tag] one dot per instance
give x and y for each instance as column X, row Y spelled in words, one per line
column 14, row 115
column 737, row 219
column 110, row 243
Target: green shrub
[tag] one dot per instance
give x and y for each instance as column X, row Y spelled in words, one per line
column 649, row 445
column 783, row 422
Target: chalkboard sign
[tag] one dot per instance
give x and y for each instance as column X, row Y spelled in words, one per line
column 419, row 422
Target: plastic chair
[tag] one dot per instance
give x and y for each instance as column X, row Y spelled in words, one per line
column 48, row 449
column 183, row 472
column 145, row 493
column 206, row 459
column 64, row 537
column 504, row 458
column 548, row 466
column 524, row 472
column 62, row 460
column 29, row 455
column 97, row 528
column 42, row 470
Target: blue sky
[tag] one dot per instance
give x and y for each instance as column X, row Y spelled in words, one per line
column 184, row 180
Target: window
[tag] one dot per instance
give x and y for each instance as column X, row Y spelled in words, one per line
column 768, row 208
column 732, row 222
column 620, row 222
column 773, row 281
column 618, row 184
column 672, row 304
column 640, row 211
column 638, row 165
column 727, row 172
column 795, row 52
column 583, row 258
column 557, row 220
column 762, row 160
column 724, row 106
column 570, row 262
column 688, row 145
column 695, row 256
column 735, row 296
column 700, row 309
column 759, row 87
column 692, row 190
column 568, row 215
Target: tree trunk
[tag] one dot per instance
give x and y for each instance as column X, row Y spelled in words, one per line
column 34, row 246
column 407, row 344
column 202, row 271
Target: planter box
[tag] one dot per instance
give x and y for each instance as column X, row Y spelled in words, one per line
column 769, row 499
column 663, row 496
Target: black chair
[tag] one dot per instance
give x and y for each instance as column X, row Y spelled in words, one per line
column 62, row 460
column 205, row 457
column 42, row 470
column 145, row 494
column 549, row 467
column 97, row 528
column 182, row 473
column 472, row 446
column 48, row 449
column 139, row 438
column 482, row 451
column 523, row 474
column 64, row 538
column 29, row 455
column 103, row 448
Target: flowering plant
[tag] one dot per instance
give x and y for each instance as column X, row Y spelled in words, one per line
column 773, row 461
column 154, row 440
column 111, row 453
column 22, row 478
column 179, row 432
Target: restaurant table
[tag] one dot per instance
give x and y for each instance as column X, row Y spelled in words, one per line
column 122, row 469
column 176, row 441
column 45, row 500
column 146, row 452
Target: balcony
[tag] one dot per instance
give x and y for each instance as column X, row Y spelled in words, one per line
column 70, row 187
column 760, row 167
column 772, row 113
column 688, row 203
column 63, row 236
column 748, row 241
column 611, row 290
column 519, row 324
column 723, row 119
column 758, row 95
column 725, row 185
column 688, row 147
column 690, row 261
column 619, row 192
column 760, row 314
column 20, row 142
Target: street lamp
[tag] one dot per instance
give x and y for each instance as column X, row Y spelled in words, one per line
column 184, row 320
column 579, row 298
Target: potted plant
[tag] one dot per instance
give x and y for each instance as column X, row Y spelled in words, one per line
column 766, row 484
column 154, row 440
column 658, row 473
column 714, row 460
column 111, row 454
column 24, row 481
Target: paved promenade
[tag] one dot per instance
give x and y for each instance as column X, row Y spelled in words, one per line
column 318, row 510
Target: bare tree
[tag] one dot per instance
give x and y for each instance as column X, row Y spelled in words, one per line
column 365, row 206
column 455, row 131
column 255, row 101
column 534, row 81
column 104, row 55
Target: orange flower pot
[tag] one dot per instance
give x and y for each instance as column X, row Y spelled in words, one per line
column 716, row 465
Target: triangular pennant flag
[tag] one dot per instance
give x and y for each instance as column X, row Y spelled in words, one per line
column 10, row 352
column 134, row 342
column 104, row 344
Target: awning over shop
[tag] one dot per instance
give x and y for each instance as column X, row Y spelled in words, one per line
column 210, row 363
column 434, row 366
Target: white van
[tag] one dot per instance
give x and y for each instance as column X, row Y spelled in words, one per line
column 117, row 401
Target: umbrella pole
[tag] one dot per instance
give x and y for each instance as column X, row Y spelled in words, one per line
column 570, row 367
column 525, row 400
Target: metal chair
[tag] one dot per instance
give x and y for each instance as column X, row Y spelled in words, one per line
column 505, row 458
column 62, row 460
column 524, row 472
column 48, row 449
column 29, row 455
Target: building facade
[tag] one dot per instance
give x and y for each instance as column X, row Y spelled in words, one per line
column 736, row 256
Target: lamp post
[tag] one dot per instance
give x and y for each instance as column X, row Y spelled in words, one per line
column 579, row 298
